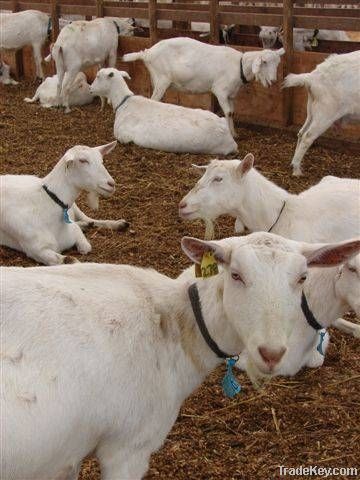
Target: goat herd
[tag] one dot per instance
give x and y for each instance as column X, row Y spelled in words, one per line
column 98, row 357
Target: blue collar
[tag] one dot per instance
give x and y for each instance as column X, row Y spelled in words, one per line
column 117, row 27
column 49, row 28
column 123, row 101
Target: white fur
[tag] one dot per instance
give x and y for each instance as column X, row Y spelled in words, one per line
column 29, row 27
column 46, row 93
column 99, row 358
column 161, row 126
column 192, row 66
column 5, row 77
column 333, row 95
column 83, row 44
column 31, row 222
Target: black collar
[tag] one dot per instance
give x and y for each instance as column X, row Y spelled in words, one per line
column 277, row 219
column 123, row 101
column 117, row 27
column 49, row 28
column 55, row 198
column 196, row 307
column 309, row 315
column 242, row 75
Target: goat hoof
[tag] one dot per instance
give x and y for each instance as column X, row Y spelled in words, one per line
column 122, row 225
column 68, row 260
column 297, row 172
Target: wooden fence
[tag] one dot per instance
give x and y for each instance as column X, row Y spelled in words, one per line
column 254, row 104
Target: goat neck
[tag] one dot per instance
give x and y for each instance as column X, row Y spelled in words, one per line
column 261, row 203
column 59, row 181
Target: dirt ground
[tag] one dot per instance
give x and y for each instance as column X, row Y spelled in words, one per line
column 312, row 419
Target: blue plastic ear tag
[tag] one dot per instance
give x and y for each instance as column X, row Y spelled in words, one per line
column 66, row 216
column 229, row 384
column 321, row 341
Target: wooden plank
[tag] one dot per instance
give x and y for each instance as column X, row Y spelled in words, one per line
column 153, row 17
column 329, row 12
column 77, row 10
column 214, row 22
column 42, row 7
column 55, row 28
column 126, row 12
column 328, row 23
column 288, row 43
column 184, row 15
column 99, row 8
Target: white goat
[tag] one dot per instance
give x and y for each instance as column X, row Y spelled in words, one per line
column 36, row 213
column 46, row 93
column 328, row 211
column 158, row 125
column 5, row 77
column 333, row 94
column 83, row 44
column 303, row 38
column 29, row 27
column 104, row 395
column 196, row 67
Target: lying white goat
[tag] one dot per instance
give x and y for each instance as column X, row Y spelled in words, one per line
column 97, row 313
column 302, row 38
column 36, row 214
column 333, row 94
column 158, row 125
column 5, row 74
column 46, row 93
column 192, row 66
column 328, row 211
column 82, row 44
column 29, row 27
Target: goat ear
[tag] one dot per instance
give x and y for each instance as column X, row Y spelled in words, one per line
column 125, row 74
column 281, row 51
column 69, row 158
column 256, row 65
column 246, row 165
column 106, row 149
column 195, row 249
column 331, row 254
column 199, row 167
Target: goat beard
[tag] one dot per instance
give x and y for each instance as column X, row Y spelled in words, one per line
column 257, row 378
column 93, row 200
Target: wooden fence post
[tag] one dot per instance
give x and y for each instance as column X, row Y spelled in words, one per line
column 99, row 8
column 288, row 24
column 153, row 31
column 214, row 21
column 54, row 20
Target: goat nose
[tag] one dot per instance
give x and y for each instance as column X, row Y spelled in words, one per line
column 182, row 204
column 111, row 183
column 270, row 356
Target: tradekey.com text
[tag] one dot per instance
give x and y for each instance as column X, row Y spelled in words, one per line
column 314, row 470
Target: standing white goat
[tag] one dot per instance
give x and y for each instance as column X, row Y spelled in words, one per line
column 158, row 125
column 29, row 27
column 104, row 395
column 36, row 214
column 196, row 67
column 333, row 94
column 83, row 44
column 46, row 93
column 5, row 77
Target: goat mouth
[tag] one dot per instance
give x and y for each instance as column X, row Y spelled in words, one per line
column 107, row 191
column 187, row 214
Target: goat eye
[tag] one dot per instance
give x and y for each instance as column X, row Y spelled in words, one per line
column 302, row 278
column 83, row 160
column 217, row 179
column 236, row 277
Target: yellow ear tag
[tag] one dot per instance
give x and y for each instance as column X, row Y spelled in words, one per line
column 314, row 42
column 209, row 267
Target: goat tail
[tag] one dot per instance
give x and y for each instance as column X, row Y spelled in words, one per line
column 48, row 58
column 34, row 99
column 297, row 80
column 131, row 57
